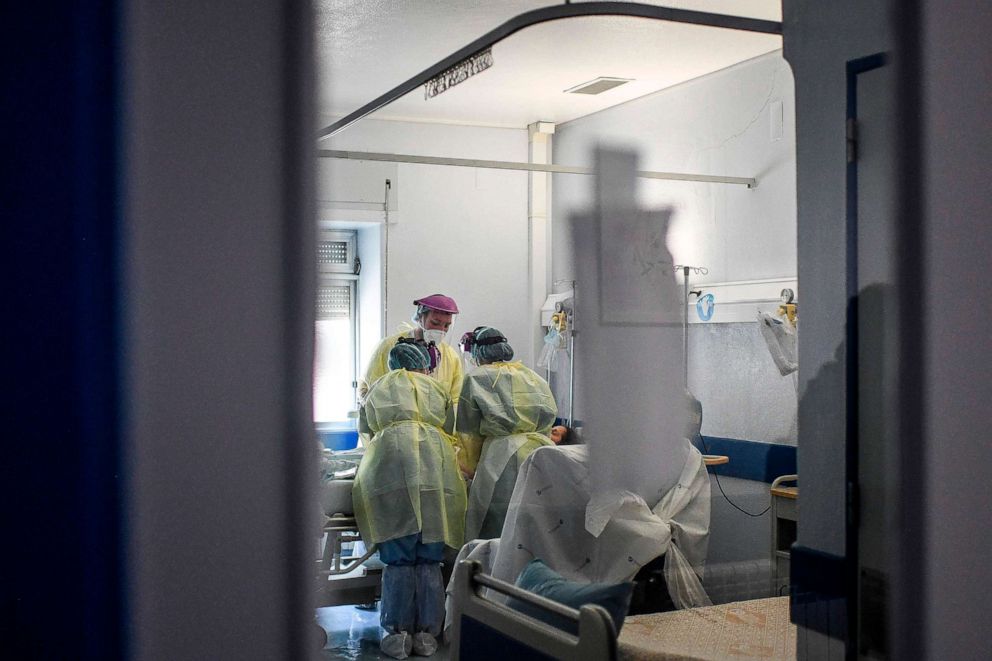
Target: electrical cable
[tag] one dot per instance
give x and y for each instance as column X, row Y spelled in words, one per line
column 725, row 496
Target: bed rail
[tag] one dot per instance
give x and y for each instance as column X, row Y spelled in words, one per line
column 485, row 629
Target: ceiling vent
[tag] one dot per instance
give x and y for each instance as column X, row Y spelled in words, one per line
column 598, row 86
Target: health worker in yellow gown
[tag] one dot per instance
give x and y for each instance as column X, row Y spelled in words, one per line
column 409, row 497
column 509, row 409
column 433, row 318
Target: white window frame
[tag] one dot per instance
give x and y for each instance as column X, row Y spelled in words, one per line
column 330, row 275
column 348, row 237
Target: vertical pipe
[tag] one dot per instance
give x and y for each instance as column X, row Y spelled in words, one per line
column 571, row 363
column 685, row 327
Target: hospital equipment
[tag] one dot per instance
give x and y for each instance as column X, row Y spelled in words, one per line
column 699, row 270
column 558, row 316
column 480, row 625
column 785, row 518
column 780, row 336
column 754, row 629
column 571, row 355
column 553, row 346
column 342, row 576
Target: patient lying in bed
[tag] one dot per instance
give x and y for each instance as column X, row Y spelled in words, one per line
column 553, row 516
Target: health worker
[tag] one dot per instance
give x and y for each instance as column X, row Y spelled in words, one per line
column 509, row 409
column 433, row 318
column 409, row 497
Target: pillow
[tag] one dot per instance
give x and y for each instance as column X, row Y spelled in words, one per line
column 540, row 579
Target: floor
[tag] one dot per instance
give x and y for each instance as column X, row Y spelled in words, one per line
column 353, row 634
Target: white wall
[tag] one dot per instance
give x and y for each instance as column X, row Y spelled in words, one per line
column 718, row 124
column 458, row 231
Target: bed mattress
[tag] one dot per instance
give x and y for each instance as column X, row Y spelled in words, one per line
column 756, row 629
column 335, row 497
column 337, row 477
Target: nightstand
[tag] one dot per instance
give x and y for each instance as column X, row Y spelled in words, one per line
column 785, row 518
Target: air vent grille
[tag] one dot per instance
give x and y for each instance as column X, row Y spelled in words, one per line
column 598, row 86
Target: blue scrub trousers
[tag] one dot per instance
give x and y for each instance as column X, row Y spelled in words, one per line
column 412, row 587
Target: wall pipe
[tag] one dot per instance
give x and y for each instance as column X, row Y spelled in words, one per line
column 750, row 182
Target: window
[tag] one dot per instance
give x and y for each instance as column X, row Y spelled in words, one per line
column 335, row 355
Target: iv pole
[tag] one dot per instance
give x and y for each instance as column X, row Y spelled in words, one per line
column 685, row 317
column 571, row 362
column 570, row 325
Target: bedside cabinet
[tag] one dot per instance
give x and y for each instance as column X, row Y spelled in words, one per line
column 785, row 518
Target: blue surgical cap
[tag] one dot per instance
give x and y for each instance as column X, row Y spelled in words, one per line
column 491, row 353
column 409, row 356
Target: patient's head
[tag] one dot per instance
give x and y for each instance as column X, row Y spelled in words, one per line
column 562, row 435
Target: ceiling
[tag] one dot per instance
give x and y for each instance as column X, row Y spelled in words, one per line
column 367, row 47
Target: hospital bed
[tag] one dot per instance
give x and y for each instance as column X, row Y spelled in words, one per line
column 483, row 629
column 343, row 577
column 486, row 629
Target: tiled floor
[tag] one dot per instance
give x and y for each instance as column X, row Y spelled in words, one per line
column 353, row 634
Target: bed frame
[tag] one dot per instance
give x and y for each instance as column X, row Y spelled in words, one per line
column 342, row 581
column 483, row 629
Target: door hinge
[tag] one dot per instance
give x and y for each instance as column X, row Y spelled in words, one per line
column 852, row 140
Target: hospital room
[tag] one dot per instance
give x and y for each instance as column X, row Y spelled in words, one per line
column 478, row 196
column 529, row 329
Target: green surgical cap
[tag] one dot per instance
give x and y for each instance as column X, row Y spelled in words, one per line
column 409, row 356
column 491, row 353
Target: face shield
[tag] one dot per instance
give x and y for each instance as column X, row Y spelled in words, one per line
column 433, row 324
column 435, row 314
column 473, row 347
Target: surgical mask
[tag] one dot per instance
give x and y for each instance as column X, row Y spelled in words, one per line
column 435, row 336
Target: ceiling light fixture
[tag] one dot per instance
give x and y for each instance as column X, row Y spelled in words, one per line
column 459, row 73
column 598, row 86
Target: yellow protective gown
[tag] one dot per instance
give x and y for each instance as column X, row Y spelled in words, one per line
column 408, row 480
column 448, row 372
column 510, row 409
